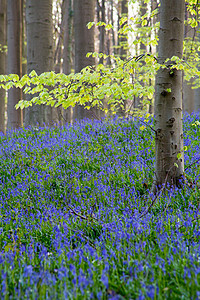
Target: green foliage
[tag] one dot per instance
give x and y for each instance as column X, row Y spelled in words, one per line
column 3, row 48
column 109, row 87
column 89, row 87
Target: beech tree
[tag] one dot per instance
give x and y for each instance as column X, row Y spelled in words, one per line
column 188, row 92
column 39, row 54
column 14, row 61
column 84, row 43
column 123, row 45
column 90, row 86
column 169, row 166
column 2, row 60
column 68, row 48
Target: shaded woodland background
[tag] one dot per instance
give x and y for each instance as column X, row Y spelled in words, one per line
column 53, row 35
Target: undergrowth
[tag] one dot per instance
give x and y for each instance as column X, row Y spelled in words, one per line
column 72, row 198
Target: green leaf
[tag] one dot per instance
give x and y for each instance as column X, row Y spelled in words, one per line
column 144, row 22
column 108, row 27
column 33, row 73
column 90, row 24
column 179, row 155
column 185, row 148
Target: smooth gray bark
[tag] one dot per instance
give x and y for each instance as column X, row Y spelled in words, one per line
column 123, row 43
column 168, row 105
column 197, row 100
column 138, row 102
column 188, row 97
column 14, row 61
column 188, row 92
column 84, row 43
column 67, row 49
column 101, row 17
column 197, row 91
column 39, row 54
column 2, row 61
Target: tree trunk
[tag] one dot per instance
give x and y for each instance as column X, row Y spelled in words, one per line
column 197, row 91
column 188, row 96
column 101, row 17
column 39, row 54
column 168, row 104
column 197, row 100
column 67, row 51
column 188, row 92
column 142, row 49
column 14, row 63
column 123, row 44
column 153, row 50
column 84, row 43
column 2, row 61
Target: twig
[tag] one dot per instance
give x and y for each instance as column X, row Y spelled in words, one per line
column 84, row 236
column 80, row 216
column 192, row 164
column 156, row 197
column 195, row 219
column 145, row 124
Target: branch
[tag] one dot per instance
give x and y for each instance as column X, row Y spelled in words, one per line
column 192, row 164
column 80, row 216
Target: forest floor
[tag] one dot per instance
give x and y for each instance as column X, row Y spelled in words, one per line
column 72, row 221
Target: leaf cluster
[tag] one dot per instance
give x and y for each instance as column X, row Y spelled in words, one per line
column 90, row 87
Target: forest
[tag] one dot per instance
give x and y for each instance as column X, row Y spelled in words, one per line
column 99, row 149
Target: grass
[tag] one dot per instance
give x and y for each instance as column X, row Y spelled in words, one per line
column 70, row 226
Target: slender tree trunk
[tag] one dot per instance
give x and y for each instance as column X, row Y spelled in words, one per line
column 24, row 49
column 101, row 17
column 188, row 92
column 123, row 39
column 84, row 43
column 39, row 54
column 197, row 91
column 197, row 100
column 2, row 61
column 14, row 64
column 138, row 102
column 188, row 96
column 168, row 104
column 123, row 43
column 67, row 51
column 153, row 50
column 58, row 55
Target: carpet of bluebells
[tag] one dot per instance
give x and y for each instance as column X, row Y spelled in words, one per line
column 72, row 221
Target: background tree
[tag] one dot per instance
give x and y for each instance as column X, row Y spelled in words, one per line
column 39, row 54
column 123, row 43
column 101, row 17
column 68, row 48
column 197, row 91
column 168, row 95
column 84, row 43
column 2, row 60
column 190, row 37
column 14, row 62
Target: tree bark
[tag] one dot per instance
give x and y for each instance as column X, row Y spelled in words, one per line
column 123, row 44
column 2, row 61
column 197, row 100
column 197, row 91
column 101, row 17
column 84, row 43
column 168, row 104
column 39, row 55
column 14, row 62
column 188, row 92
column 138, row 102
column 67, row 51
